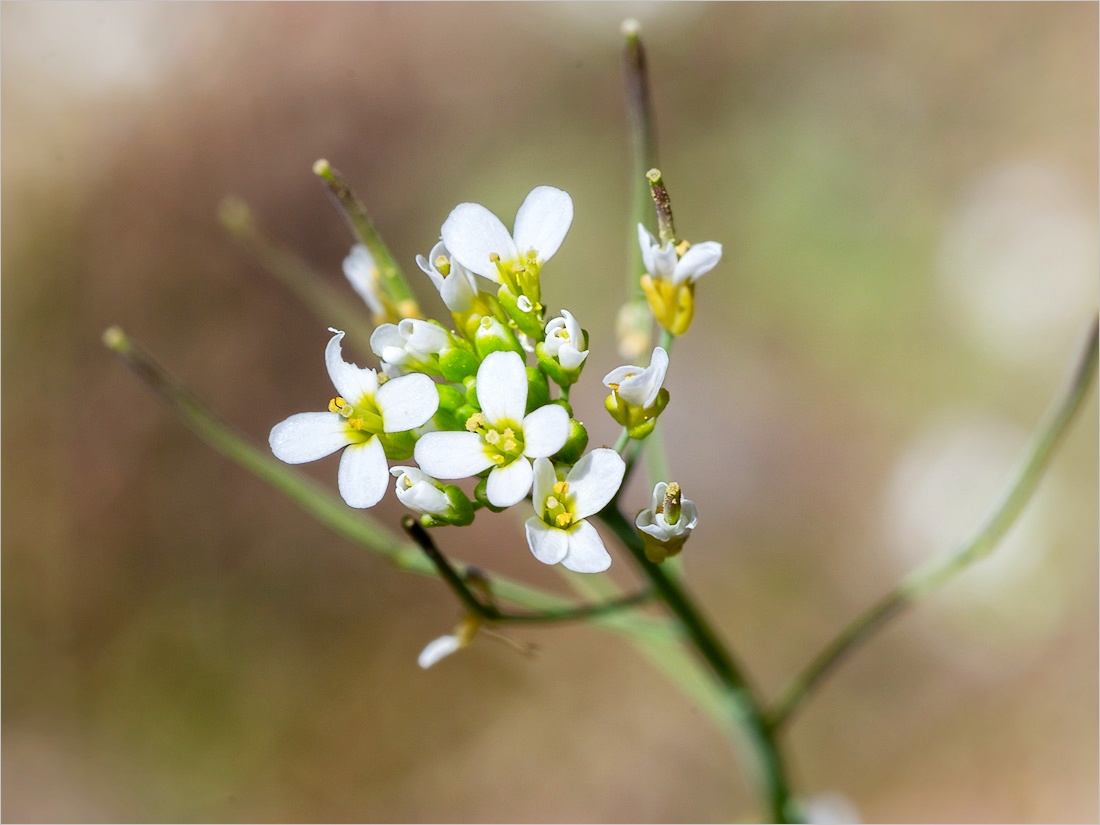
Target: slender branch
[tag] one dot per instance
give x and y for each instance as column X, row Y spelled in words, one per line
column 746, row 709
column 490, row 612
column 938, row 571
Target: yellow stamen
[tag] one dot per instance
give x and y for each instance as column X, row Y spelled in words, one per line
column 509, row 433
column 494, row 257
column 356, row 422
column 564, row 520
column 498, row 458
column 443, row 264
column 336, row 404
column 492, row 437
column 476, row 422
column 681, row 248
column 551, row 502
column 509, row 445
column 561, row 488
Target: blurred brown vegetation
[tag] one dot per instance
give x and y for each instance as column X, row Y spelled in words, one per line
column 907, row 197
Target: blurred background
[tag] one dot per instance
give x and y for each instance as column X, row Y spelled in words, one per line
column 907, row 195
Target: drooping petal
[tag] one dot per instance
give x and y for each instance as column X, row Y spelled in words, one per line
column 388, row 343
column 543, row 220
column 361, row 272
column 642, row 389
column 648, row 246
column 549, row 544
column 545, row 431
column 586, row 551
column 363, row 475
column 416, row 491
column 502, row 387
column 620, row 374
column 309, row 436
column 594, row 480
column 452, row 454
column 351, row 382
column 697, row 261
column 472, row 233
column 438, row 649
column 544, row 481
column 406, row 402
column 509, row 484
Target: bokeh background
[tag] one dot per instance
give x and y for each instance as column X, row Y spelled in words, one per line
column 907, row 195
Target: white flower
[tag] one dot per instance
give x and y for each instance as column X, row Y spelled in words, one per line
column 558, row 532
column 417, row 491
column 565, row 340
column 457, row 285
column 360, row 412
column 362, row 272
column 664, row 262
column 408, row 344
column 654, row 521
column 499, row 436
column 636, row 385
column 438, row 649
column 481, row 243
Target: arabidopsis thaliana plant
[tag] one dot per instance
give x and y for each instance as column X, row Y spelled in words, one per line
column 666, row 263
column 499, row 437
column 637, row 385
column 565, row 341
column 361, row 412
column 480, row 242
column 558, row 532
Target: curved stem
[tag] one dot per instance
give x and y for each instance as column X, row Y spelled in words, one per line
column 746, row 710
column 938, row 571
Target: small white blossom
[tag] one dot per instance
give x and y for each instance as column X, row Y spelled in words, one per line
column 438, row 649
column 480, row 242
column 457, row 286
column 663, row 262
column 565, row 341
column 500, row 436
column 558, row 532
column 639, row 386
column 408, row 344
column 417, row 491
column 360, row 412
column 362, row 273
column 654, row 521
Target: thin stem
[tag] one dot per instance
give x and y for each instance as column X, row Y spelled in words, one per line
column 747, row 711
column 490, row 612
column 929, row 577
column 656, row 451
column 622, row 441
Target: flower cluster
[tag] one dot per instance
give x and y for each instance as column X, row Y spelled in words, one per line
column 464, row 402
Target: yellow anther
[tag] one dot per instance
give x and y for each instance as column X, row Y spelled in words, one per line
column 552, row 502
column 564, row 520
column 356, row 422
column 498, row 458
column 613, row 387
column 335, row 404
column 518, row 267
column 494, row 257
column 443, row 265
column 561, row 488
column 510, row 445
column 509, row 433
column 681, row 248
column 492, row 437
column 475, row 422
column 532, row 254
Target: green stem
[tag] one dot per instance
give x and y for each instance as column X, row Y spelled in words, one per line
column 622, row 441
column 926, row 579
column 746, row 710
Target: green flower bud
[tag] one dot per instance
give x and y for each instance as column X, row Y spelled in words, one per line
column 450, row 398
column 538, row 390
column 575, row 445
column 524, row 312
column 457, row 363
column 493, row 336
column 481, row 496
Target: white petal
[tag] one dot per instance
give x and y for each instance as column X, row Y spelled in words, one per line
column 689, row 514
column 586, row 551
column 573, row 327
column 418, row 494
column 697, row 261
column 458, row 289
column 452, row 454
column 659, row 490
column 351, row 382
column 509, row 484
column 472, row 233
column 424, row 336
column 543, row 220
column 363, row 475
column 648, row 245
column 545, row 479
column 502, row 387
column 594, row 480
column 438, row 649
column 308, row 437
column 359, row 269
column 406, row 402
column 570, row 358
column 549, row 544
column 642, row 389
column 621, row 374
column 545, row 431
column 664, row 261
column 384, row 338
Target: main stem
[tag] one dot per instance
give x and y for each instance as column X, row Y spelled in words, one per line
column 747, row 709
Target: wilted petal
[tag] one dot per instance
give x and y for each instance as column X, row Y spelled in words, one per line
column 545, row 431
column 594, row 481
column 586, row 552
column 549, row 544
column 309, row 436
column 472, row 233
column 452, row 454
column 406, row 402
column 543, row 221
column 509, row 484
column 502, row 387
column 438, row 649
column 351, row 382
column 697, row 261
column 363, row 475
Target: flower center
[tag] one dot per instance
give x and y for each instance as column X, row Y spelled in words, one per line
column 521, row 274
column 503, row 440
column 558, row 507
column 362, row 417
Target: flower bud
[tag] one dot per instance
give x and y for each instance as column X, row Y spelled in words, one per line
column 667, row 523
column 457, row 363
column 562, row 353
column 450, row 398
column 538, row 390
column 575, row 445
column 493, row 336
column 438, row 503
column 637, row 395
column 525, row 312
